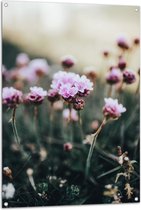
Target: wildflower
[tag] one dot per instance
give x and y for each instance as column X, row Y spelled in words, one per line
column 122, row 43
column 70, row 115
column 84, row 86
column 22, row 60
column 68, row 61
column 36, row 95
column 68, row 146
column 106, row 53
column 129, row 77
column 136, row 41
column 79, row 104
column 39, row 67
column 114, row 76
column 53, row 95
column 122, row 63
column 11, row 96
column 112, row 108
column 8, row 191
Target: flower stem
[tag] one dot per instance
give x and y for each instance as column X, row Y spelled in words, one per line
column 13, row 121
column 95, row 135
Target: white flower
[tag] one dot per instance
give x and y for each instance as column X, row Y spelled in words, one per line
column 8, row 191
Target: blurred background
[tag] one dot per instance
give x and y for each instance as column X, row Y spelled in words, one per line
column 51, row 30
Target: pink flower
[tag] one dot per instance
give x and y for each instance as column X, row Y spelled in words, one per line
column 114, row 76
column 68, row 61
column 129, row 77
column 68, row 147
column 67, row 91
column 36, row 95
column 122, row 63
column 112, row 108
column 39, row 67
column 53, row 95
column 122, row 43
column 11, row 96
column 68, row 85
column 22, row 59
column 84, row 86
column 70, row 115
column 27, row 74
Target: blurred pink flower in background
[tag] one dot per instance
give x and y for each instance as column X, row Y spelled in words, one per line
column 122, row 42
column 112, row 108
column 11, row 96
column 39, row 67
column 70, row 115
column 114, row 76
column 129, row 76
column 53, row 95
column 22, row 60
column 68, row 147
column 68, row 61
column 36, row 95
column 122, row 63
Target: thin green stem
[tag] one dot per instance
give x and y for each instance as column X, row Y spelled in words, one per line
column 94, row 136
column 13, row 121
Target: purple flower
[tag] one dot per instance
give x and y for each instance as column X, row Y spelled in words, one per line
column 39, row 67
column 78, row 104
column 122, row 43
column 36, row 95
column 22, row 60
column 114, row 76
column 68, row 61
column 53, row 95
column 129, row 77
column 122, row 63
column 68, row 85
column 84, row 86
column 112, row 108
column 11, row 96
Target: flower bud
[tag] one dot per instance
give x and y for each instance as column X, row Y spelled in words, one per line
column 79, row 104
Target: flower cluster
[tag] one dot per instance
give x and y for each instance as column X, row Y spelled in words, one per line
column 70, row 86
column 36, row 95
column 112, row 108
column 11, row 96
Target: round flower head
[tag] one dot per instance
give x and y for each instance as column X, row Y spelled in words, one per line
column 122, row 43
column 36, row 95
column 22, row 60
column 68, row 147
column 112, row 108
column 11, row 96
column 114, row 76
column 70, row 115
column 68, row 61
column 136, row 41
column 129, row 77
column 69, row 85
column 53, row 95
column 79, row 104
column 122, row 63
column 39, row 67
